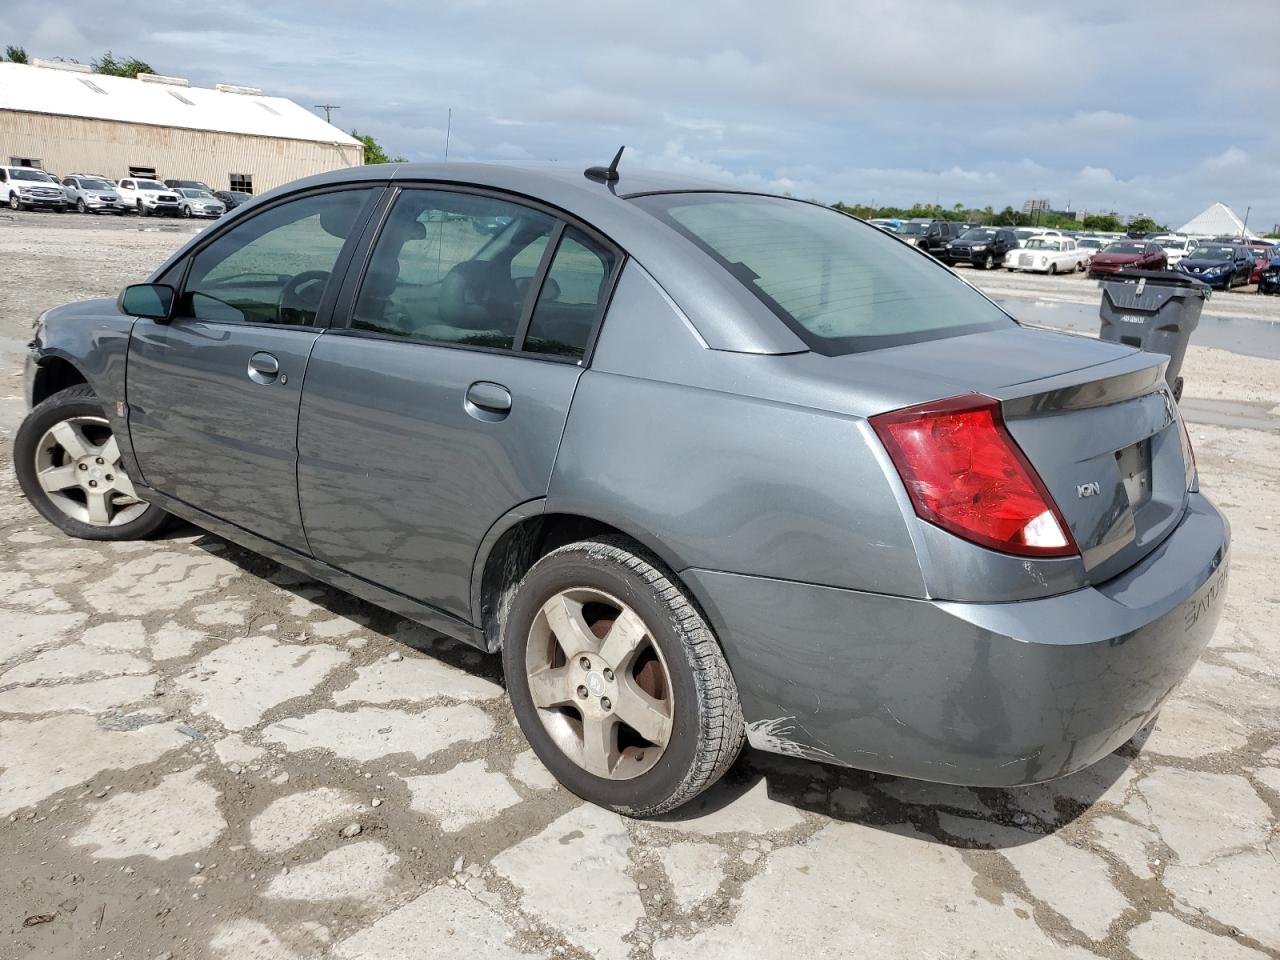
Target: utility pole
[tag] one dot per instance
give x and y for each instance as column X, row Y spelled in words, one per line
column 1244, row 227
column 328, row 109
column 448, row 132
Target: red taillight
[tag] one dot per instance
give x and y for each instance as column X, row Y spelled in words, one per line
column 965, row 474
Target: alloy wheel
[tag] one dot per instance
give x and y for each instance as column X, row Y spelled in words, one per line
column 77, row 464
column 600, row 685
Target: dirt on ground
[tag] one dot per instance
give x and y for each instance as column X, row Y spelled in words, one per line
column 206, row 755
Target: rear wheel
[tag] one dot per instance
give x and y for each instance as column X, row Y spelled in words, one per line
column 69, row 466
column 1053, row 269
column 617, row 681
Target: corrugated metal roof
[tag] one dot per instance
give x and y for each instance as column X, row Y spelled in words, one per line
column 97, row 97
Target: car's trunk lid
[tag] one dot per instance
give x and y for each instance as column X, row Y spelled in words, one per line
column 1109, row 448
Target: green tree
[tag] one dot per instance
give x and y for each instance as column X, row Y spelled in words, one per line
column 373, row 152
column 1146, row 225
column 1103, row 222
column 15, row 54
column 114, row 66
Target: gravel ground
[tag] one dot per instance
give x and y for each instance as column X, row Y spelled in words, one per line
column 204, row 755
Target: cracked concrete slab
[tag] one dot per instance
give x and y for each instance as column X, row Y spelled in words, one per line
column 694, row 869
column 1164, row 937
column 25, row 632
column 528, row 769
column 445, row 923
column 1073, row 881
column 469, row 793
column 373, row 732
column 92, row 696
column 240, row 681
column 296, row 818
column 41, row 757
column 357, row 871
column 1189, row 730
column 142, row 824
column 1240, row 889
column 116, row 635
column 413, row 679
column 1203, row 816
column 64, row 663
column 573, row 875
column 725, row 809
column 818, row 894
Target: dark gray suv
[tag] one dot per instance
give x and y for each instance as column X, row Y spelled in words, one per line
column 703, row 465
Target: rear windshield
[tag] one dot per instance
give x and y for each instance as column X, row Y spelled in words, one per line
column 840, row 284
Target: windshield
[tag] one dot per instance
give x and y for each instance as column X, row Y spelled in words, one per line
column 1129, row 248
column 192, row 192
column 26, row 173
column 151, row 185
column 974, row 235
column 1173, row 244
column 1092, row 244
column 1214, row 253
column 87, row 184
column 913, row 229
column 840, row 285
column 1043, row 245
column 239, row 195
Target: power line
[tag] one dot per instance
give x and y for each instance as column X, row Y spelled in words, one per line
column 328, row 109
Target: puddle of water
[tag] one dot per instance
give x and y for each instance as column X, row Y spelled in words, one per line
column 1250, row 336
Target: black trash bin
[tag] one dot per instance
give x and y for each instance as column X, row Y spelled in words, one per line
column 1153, row 310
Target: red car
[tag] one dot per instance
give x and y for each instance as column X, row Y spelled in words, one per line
column 1128, row 255
column 1262, row 255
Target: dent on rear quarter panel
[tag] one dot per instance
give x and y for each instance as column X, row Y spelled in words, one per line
column 719, row 481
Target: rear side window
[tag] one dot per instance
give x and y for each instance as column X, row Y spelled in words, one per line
column 840, row 284
column 571, row 297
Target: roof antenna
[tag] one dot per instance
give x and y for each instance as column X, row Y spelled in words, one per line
column 606, row 174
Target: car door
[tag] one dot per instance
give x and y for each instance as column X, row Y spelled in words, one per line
column 213, row 393
column 440, row 405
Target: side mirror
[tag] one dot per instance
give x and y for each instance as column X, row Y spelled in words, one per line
column 153, row 301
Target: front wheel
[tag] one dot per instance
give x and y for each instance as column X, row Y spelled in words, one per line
column 186, row 213
column 988, row 262
column 69, row 466
column 142, row 211
column 14, row 202
column 81, row 207
column 617, row 681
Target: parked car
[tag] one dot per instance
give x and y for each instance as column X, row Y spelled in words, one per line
column 232, row 198
column 89, row 194
column 1222, row 265
column 1269, row 282
column 1090, row 246
column 1262, row 254
column 26, row 188
column 1176, row 247
column 148, row 197
column 984, row 247
column 913, row 231
column 1128, row 255
column 783, row 481
column 939, row 234
column 1047, row 254
column 188, row 185
column 194, row 202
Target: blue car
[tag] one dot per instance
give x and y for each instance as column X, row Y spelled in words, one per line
column 1220, row 265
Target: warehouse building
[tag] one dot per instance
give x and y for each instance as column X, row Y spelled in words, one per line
column 65, row 119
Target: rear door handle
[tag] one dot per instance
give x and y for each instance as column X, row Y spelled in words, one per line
column 263, row 367
column 488, row 401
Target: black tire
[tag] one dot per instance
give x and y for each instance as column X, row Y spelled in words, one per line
column 988, row 262
column 142, row 211
column 78, row 401
column 1053, row 269
column 120, row 212
column 14, row 202
column 61, row 209
column 707, row 726
column 81, row 207
column 186, row 213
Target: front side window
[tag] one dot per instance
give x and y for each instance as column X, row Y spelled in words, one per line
column 274, row 267
column 839, row 284
column 453, row 268
column 571, row 297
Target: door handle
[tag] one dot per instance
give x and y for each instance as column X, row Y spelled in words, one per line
column 488, row 401
column 263, row 367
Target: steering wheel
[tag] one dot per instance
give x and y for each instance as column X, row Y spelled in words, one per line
column 300, row 299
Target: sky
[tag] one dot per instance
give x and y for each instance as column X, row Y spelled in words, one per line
column 864, row 101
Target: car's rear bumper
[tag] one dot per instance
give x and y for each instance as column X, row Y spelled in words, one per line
column 978, row 694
